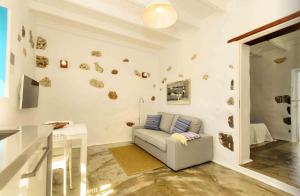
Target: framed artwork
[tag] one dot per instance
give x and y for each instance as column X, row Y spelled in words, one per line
column 179, row 93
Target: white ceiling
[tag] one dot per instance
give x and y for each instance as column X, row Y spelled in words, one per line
column 123, row 18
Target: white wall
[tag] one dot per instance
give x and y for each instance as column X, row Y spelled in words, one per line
column 214, row 56
column 72, row 98
column 10, row 115
column 268, row 80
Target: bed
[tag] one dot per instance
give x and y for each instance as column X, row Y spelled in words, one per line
column 259, row 133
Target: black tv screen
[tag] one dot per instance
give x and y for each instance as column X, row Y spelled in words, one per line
column 29, row 95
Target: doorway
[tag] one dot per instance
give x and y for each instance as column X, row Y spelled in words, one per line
column 270, row 104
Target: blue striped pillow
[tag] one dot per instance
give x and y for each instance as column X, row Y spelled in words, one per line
column 181, row 125
column 152, row 122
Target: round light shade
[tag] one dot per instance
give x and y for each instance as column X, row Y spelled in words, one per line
column 159, row 15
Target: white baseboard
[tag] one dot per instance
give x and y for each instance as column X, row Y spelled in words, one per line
column 263, row 178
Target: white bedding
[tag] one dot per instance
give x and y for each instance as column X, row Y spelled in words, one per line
column 259, row 133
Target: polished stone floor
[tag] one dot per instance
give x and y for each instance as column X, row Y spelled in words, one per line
column 280, row 160
column 106, row 177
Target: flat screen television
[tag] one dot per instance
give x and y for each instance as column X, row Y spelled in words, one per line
column 29, row 94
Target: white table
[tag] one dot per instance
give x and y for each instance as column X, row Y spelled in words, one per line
column 78, row 132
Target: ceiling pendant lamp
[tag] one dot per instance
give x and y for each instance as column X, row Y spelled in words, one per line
column 159, row 14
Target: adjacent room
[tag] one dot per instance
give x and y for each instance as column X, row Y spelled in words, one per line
column 274, row 89
column 149, row 97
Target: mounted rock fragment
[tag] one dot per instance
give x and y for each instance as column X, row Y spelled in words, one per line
column 283, row 99
column 46, row 82
column 180, row 75
column 232, row 85
column 130, row 124
column 169, row 68
column 287, row 120
column 137, row 73
column 230, row 101
column 24, row 52
column 41, row 61
column 23, row 31
column 280, row 60
column 98, row 67
column 96, row 53
column 153, row 98
column 125, row 60
column 113, row 95
column 84, row 66
column 230, row 66
column 41, row 43
column 163, row 80
column 205, row 77
column 114, row 72
column 288, row 109
column 194, row 57
column 19, row 38
column 96, row 83
column 226, row 140
column 230, row 121
column 31, row 42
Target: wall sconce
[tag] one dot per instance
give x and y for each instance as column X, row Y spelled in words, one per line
column 64, row 63
column 145, row 75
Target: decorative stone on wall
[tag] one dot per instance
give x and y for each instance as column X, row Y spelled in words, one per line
column 287, row 120
column 98, row 67
column 96, row 53
column 180, row 75
column 114, row 72
column 19, row 38
column 84, row 66
column 46, row 82
column 280, row 60
column 226, row 140
column 113, row 95
column 283, row 99
column 146, row 75
column 194, row 57
column 137, row 73
column 230, row 66
column 31, row 42
column 230, row 121
column 205, row 77
column 153, row 98
column 154, row 85
column 12, row 58
column 163, row 80
column 232, row 85
column 24, row 52
column 125, row 60
column 23, row 31
column 41, row 43
column 169, row 68
column 130, row 124
column 96, row 83
column 230, row 101
column 41, row 61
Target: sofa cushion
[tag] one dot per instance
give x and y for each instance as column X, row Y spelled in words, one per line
column 156, row 138
column 152, row 122
column 195, row 125
column 181, row 125
column 166, row 122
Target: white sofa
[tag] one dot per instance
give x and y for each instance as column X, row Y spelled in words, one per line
column 175, row 155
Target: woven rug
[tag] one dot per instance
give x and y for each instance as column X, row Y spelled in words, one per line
column 135, row 160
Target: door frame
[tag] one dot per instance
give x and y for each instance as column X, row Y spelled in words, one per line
column 244, row 91
column 295, row 118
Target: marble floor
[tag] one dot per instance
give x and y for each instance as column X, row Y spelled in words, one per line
column 106, row 177
column 280, row 160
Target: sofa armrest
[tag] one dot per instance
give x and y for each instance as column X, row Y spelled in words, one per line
column 133, row 130
column 196, row 152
